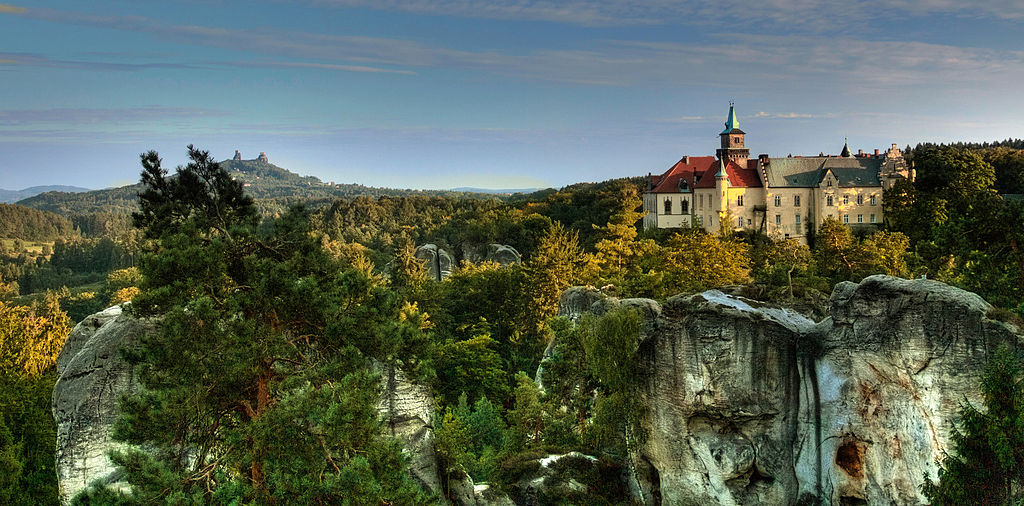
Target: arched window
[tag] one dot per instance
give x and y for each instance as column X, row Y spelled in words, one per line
column 668, row 206
column 684, row 206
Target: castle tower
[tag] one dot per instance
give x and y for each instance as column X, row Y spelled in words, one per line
column 263, row 157
column 732, row 140
column 238, row 155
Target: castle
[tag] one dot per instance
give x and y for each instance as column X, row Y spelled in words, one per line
column 782, row 197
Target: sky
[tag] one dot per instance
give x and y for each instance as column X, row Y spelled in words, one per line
column 491, row 93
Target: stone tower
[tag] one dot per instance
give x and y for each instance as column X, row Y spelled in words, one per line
column 263, row 157
column 732, row 140
column 238, row 155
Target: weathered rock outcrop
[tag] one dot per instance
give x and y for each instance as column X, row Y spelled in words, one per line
column 499, row 253
column 92, row 376
column 407, row 410
column 438, row 262
column 752, row 404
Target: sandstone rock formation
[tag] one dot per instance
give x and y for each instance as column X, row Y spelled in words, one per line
column 499, row 253
column 91, row 377
column 438, row 262
column 752, row 404
column 407, row 410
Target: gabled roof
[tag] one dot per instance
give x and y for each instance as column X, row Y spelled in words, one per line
column 809, row 171
column 669, row 181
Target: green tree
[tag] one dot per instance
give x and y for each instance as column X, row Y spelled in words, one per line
column 696, row 260
column 556, row 264
column 987, row 463
column 260, row 386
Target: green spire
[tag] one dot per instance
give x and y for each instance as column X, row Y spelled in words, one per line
column 732, row 122
column 721, row 169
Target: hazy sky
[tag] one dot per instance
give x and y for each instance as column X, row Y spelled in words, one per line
column 491, row 93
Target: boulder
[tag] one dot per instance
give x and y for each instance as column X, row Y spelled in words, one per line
column 91, row 378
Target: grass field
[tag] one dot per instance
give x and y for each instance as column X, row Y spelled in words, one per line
column 31, row 246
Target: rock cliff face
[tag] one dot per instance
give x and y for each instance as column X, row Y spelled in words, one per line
column 752, row 404
column 91, row 377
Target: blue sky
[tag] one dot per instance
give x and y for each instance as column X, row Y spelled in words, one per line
column 491, row 93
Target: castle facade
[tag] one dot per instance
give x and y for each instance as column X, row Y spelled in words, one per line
column 782, row 197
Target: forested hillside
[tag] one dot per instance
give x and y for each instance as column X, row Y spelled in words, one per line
column 20, row 222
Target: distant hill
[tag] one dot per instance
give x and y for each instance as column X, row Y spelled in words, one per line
column 11, row 196
column 496, row 191
column 20, row 222
column 275, row 189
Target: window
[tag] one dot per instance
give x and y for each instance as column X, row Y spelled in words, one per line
column 846, row 218
column 829, row 183
column 778, row 200
column 787, row 236
column 872, row 200
column 684, row 206
column 668, row 207
column 739, row 222
column 749, row 223
column 702, row 201
column 872, row 218
column 739, row 200
column 846, row 199
column 778, row 219
column 860, row 199
column 797, row 219
column 828, row 201
column 796, row 201
column 860, row 218
column 711, row 221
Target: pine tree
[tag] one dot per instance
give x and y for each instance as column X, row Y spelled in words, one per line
column 987, row 463
column 259, row 386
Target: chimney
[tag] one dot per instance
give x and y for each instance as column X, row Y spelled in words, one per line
column 763, row 158
column 876, row 152
column 686, row 159
column 860, row 152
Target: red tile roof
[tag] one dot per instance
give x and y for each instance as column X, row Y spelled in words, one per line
column 669, row 181
column 739, row 177
column 706, row 167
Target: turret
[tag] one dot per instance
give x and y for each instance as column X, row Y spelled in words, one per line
column 732, row 137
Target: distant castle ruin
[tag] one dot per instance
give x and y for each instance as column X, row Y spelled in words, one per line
column 263, row 156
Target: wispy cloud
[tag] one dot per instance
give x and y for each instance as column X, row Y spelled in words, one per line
column 37, row 60
column 92, row 116
column 11, row 9
column 842, row 63
column 807, row 15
